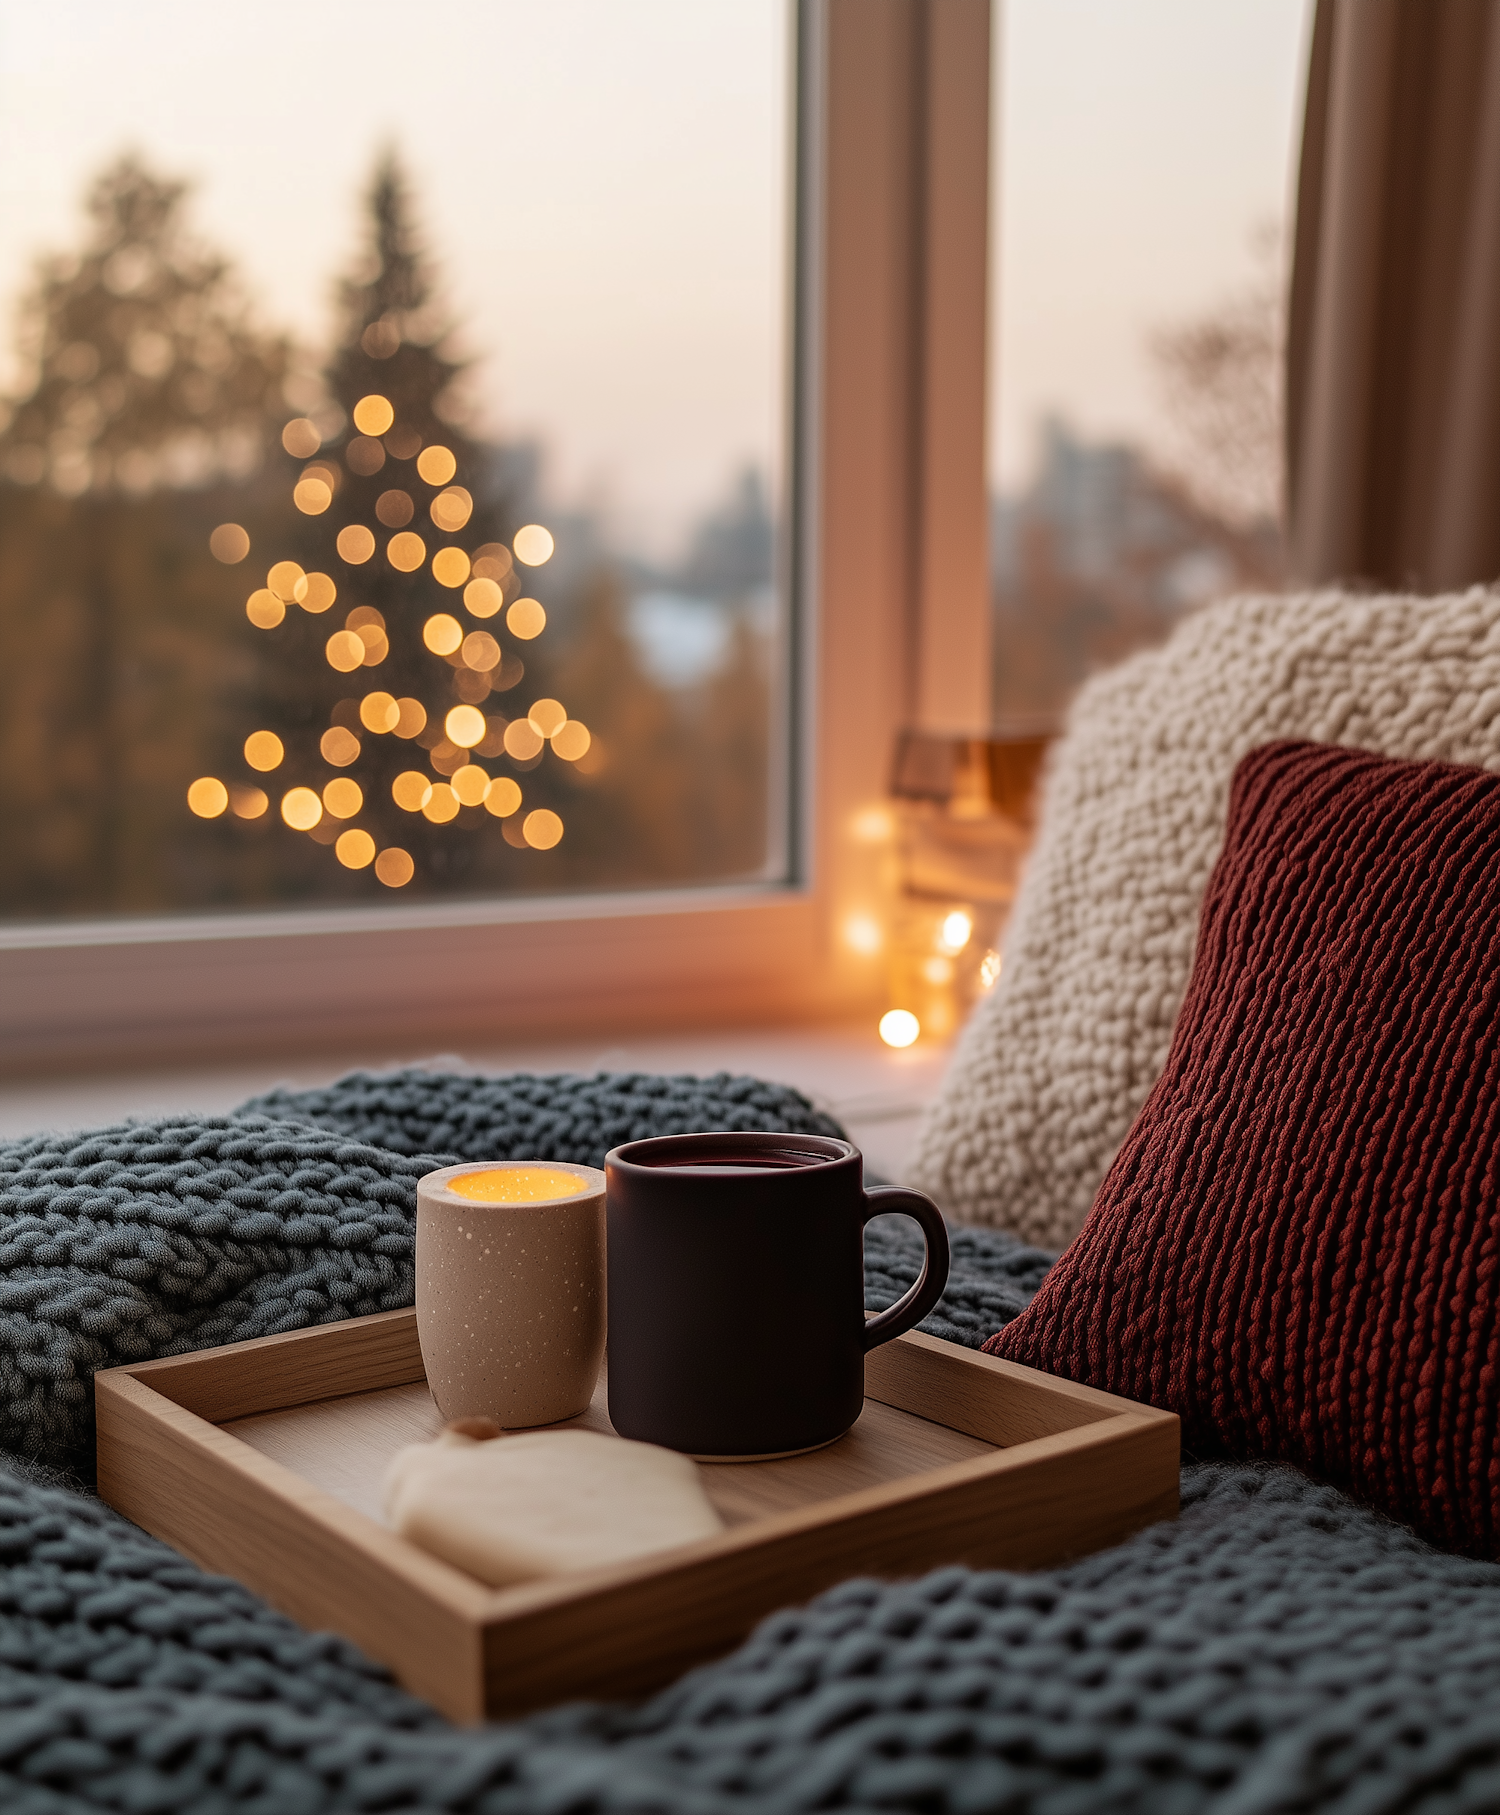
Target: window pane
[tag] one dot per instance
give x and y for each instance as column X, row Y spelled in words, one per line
column 390, row 460
column 1143, row 191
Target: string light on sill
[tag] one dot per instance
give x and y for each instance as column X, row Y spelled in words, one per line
column 899, row 1027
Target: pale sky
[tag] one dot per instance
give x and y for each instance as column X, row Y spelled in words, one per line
column 604, row 186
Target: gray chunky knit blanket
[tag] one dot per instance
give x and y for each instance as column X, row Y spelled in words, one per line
column 1275, row 1649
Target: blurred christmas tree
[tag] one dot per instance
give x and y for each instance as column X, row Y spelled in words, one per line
column 387, row 605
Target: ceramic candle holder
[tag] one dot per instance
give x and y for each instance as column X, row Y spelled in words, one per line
column 510, row 1289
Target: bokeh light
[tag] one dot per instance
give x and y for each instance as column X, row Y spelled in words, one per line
column 406, row 552
column 264, row 610
column 301, row 439
column 356, row 543
column 862, row 933
column 264, row 750
column 955, row 931
column 207, row 797
column 403, row 443
column 395, row 509
column 364, row 456
column 355, row 849
column 547, row 717
column 343, row 797
column 470, row 784
column 411, row 790
column 301, row 809
column 483, row 598
column 533, row 544
column 526, row 619
column 492, row 562
column 248, row 803
column 989, row 969
column 450, row 567
column 345, row 651
column 312, row 496
column 413, row 717
column 447, row 757
column 379, row 712
column 572, row 741
column 522, row 739
column 283, row 578
column 451, row 509
column 394, row 867
column 543, row 829
column 465, row 726
column 503, row 798
column 229, row 543
column 899, row 1027
column 380, row 340
column 441, row 804
column 436, row 465
column 373, row 415
column 315, row 592
column 339, row 746
column 481, row 652
column 442, row 634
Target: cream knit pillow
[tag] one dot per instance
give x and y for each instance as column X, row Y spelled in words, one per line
column 1052, row 1068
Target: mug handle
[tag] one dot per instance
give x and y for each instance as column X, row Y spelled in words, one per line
column 915, row 1304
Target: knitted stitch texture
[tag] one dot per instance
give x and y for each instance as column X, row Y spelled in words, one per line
column 1296, row 1247
column 1055, row 1063
column 1275, row 1650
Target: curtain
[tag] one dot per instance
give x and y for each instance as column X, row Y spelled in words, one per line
column 1393, row 344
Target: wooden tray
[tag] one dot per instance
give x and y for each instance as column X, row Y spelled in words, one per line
column 263, row 1461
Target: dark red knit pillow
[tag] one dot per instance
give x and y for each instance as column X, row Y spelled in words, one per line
column 1296, row 1248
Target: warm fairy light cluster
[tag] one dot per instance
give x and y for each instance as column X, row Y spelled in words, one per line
column 454, row 737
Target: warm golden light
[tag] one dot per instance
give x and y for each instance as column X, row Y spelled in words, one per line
column 441, row 804
column 394, row 867
column 248, row 803
column 264, row 750
column 369, row 626
column 450, row 567
column 442, row 634
column 283, row 578
column 301, row 439
column 315, row 592
column 411, row 790
column 301, row 809
column 517, row 1185
column 522, row 739
column 436, row 465
column 312, row 496
column 355, row 543
column 338, row 746
column 373, row 415
column 481, row 652
column 547, row 717
column 937, row 970
column 872, row 825
column 345, row 651
column 364, row 456
column 543, row 829
column 526, row 619
column 483, row 598
column 862, row 934
column 465, row 726
column 447, row 758
column 492, row 562
column 533, row 544
column 343, row 797
column 264, row 610
column 452, row 509
column 470, row 784
column 207, row 797
column 503, row 798
column 395, row 509
column 989, row 969
column 572, row 741
column 230, row 543
column 378, row 712
column 954, row 934
column 899, row 1027
column 406, row 552
column 412, row 719
column 354, row 849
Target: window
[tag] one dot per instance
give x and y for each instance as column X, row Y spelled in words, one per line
column 1145, row 156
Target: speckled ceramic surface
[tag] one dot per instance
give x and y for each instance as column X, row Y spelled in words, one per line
column 510, row 1298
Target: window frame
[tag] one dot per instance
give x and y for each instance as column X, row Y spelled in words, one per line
column 886, row 578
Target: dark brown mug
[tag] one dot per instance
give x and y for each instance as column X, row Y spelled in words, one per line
column 736, row 1290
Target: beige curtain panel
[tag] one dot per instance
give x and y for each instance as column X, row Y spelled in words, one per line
column 1393, row 347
